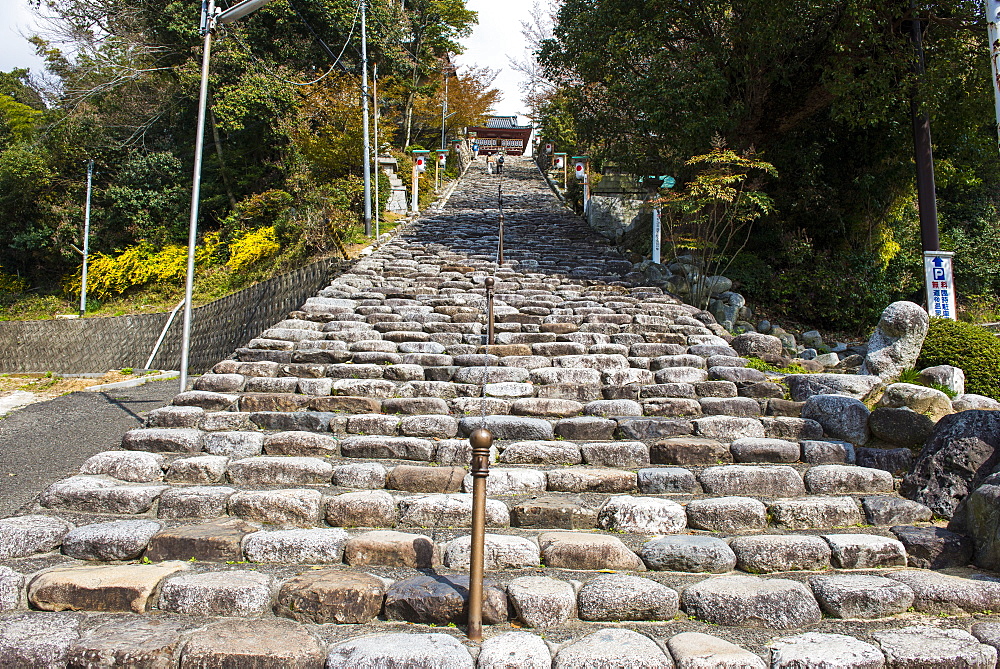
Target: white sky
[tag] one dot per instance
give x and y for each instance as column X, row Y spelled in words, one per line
column 497, row 37
column 15, row 50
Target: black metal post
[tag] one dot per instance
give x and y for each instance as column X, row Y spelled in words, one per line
column 922, row 152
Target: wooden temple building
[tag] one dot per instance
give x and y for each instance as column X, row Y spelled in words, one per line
column 501, row 133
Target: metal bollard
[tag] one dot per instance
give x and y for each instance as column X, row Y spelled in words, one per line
column 481, row 440
column 500, row 207
column 489, row 313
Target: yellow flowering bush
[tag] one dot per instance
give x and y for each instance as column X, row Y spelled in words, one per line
column 12, row 284
column 252, row 247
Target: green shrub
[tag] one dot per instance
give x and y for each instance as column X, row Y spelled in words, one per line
column 761, row 366
column 972, row 348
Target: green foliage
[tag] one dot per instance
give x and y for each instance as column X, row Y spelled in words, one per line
column 828, row 106
column 147, row 199
column 761, row 366
column 714, row 211
column 279, row 152
column 972, row 348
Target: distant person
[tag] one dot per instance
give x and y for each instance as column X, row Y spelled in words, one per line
column 500, row 163
column 489, row 164
column 475, row 151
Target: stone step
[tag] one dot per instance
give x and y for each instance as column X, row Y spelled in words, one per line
column 653, row 500
column 61, row 639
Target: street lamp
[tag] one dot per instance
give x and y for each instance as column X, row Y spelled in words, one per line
column 210, row 18
column 447, row 70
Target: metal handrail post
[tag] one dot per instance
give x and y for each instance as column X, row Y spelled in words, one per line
column 490, row 329
column 480, row 440
column 500, row 207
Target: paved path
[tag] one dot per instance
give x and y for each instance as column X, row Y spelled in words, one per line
column 654, row 502
column 47, row 441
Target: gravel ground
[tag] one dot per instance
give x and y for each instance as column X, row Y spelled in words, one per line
column 47, row 441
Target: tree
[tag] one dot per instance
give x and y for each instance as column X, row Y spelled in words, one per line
column 470, row 101
column 821, row 90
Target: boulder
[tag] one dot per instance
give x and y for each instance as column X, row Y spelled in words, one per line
column 970, row 401
column 844, row 418
column 860, row 596
column 934, row 547
column 963, row 450
column 945, row 375
column 982, row 522
column 688, row 554
column 895, row 344
column 752, row 344
column 927, row 401
column 438, row 599
column 267, row 642
column 803, row 386
column 934, row 647
column 900, row 426
column 331, row 596
column 694, row 650
column 646, row 515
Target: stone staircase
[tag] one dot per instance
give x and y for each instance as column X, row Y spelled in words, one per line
column 653, row 501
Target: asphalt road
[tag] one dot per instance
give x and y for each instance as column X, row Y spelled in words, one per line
column 44, row 442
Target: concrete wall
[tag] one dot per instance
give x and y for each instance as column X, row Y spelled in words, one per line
column 218, row 329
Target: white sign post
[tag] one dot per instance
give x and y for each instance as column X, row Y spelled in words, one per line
column 940, row 281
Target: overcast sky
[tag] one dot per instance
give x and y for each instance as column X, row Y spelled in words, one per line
column 15, row 50
column 497, row 37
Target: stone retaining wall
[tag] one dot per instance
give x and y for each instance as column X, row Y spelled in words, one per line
column 99, row 344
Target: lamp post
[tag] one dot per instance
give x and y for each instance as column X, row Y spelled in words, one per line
column 419, row 165
column 447, row 70
column 367, row 172
column 86, row 239
column 378, row 168
column 210, row 18
column 993, row 28
column 442, row 161
column 582, row 169
column 559, row 162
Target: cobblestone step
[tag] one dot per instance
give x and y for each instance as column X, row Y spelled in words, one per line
column 653, row 501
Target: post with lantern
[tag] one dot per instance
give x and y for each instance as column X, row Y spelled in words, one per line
column 559, row 162
column 440, row 163
column 549, row 148
column 419, row 167
column 581, row 167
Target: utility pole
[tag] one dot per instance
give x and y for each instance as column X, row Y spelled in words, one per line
column 926, row 200
column 378, row 169
column 444, row 105
column 86, row 239
column 992, row 21
column 364, row 111
column 210, row 17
